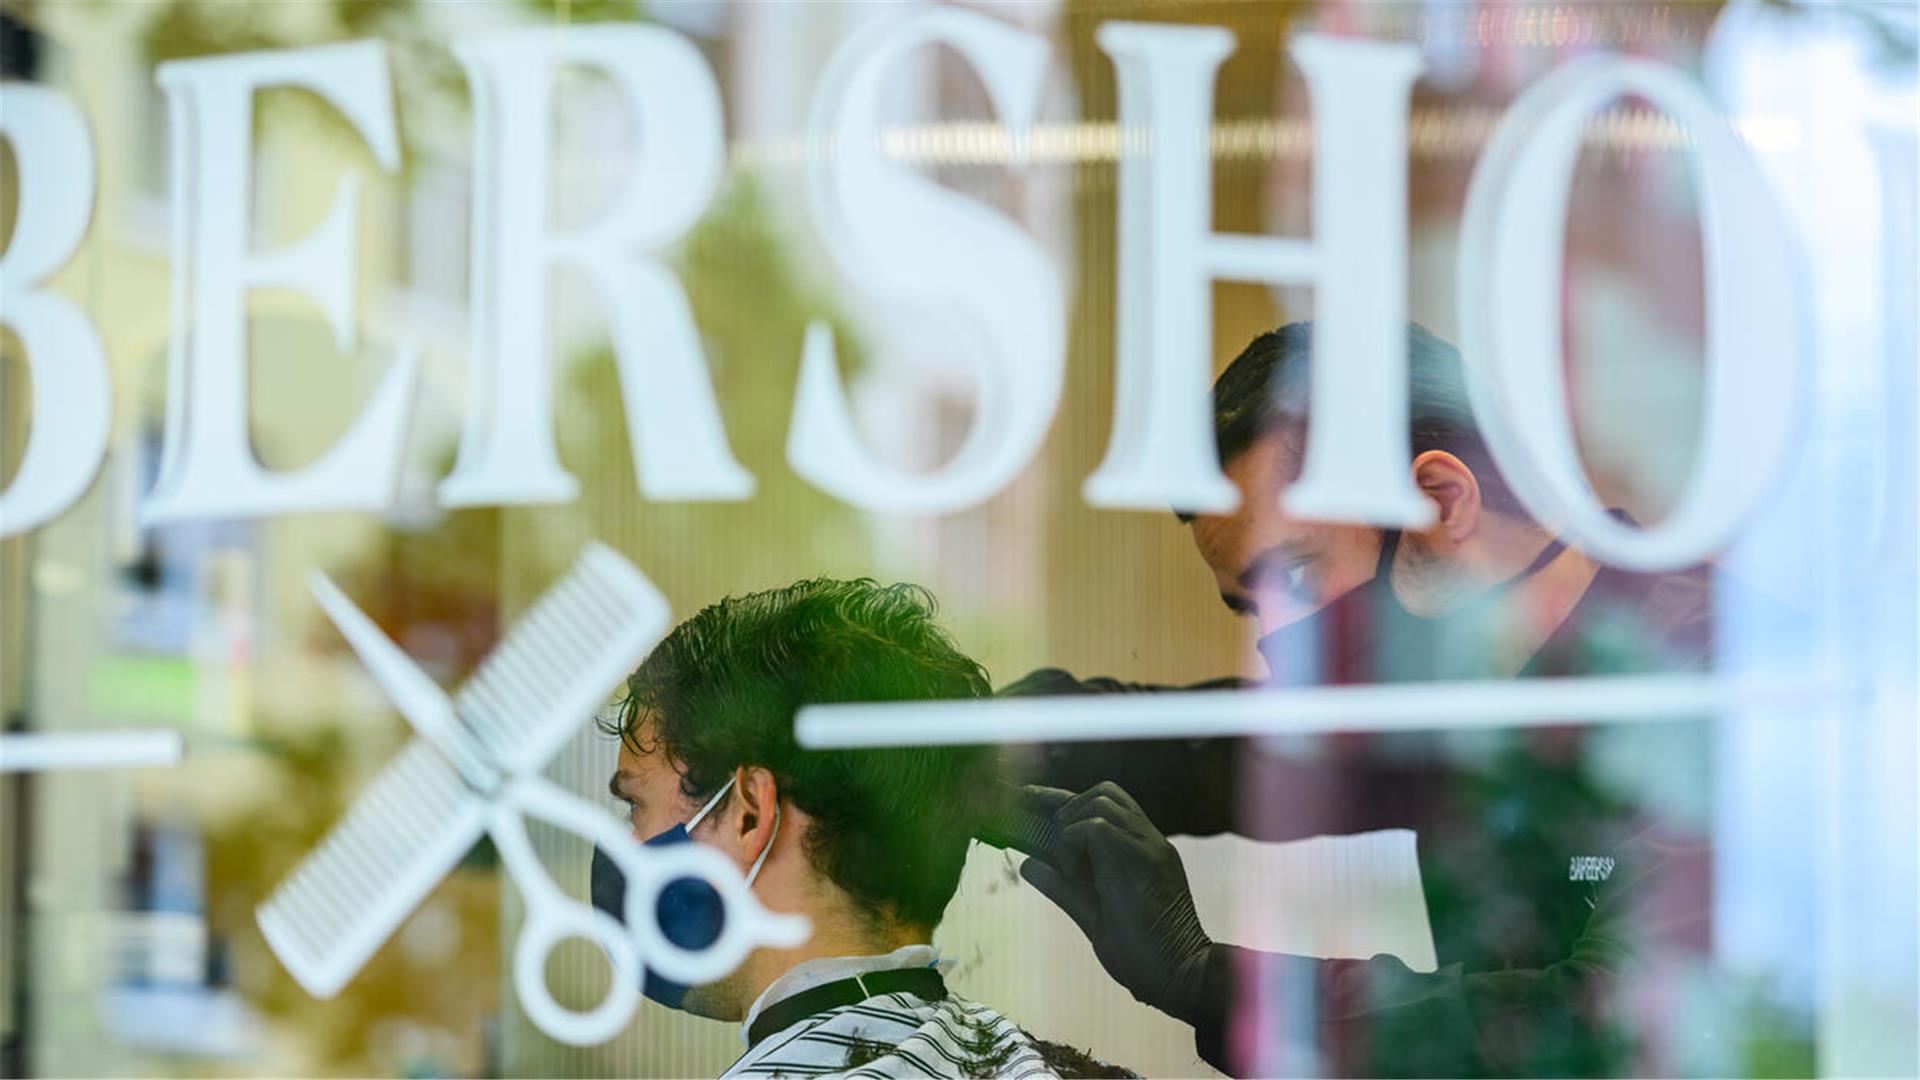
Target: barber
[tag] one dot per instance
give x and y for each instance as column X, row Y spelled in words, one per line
column 1483, row 592
column 1124, row 885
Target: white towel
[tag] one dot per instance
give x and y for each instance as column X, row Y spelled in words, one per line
column 1345, row 897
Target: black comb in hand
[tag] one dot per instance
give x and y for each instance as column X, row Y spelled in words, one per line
column 1011, row 824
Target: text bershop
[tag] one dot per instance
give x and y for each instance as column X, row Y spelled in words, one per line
column 917, row 246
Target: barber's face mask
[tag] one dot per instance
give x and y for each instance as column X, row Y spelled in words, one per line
column 690, row 912
column 1367, row 635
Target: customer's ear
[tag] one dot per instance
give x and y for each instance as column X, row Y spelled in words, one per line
column 759, row 795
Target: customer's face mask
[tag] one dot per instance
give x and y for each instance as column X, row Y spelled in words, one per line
column 690, row 912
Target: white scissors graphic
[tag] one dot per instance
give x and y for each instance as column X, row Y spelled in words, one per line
column 504, row 724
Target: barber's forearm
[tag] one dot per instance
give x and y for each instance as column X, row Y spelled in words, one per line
column 1350, row 997
column 1211, row 1008
column 1230, row 975
column 1202, row 787
column 1186, row 787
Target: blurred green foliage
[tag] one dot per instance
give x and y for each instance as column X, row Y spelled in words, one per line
column 751, row 303
column 186, row 28
column 429, row 86
column 1774, row 1040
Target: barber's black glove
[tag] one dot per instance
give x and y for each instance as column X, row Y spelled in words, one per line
column 1113, row 873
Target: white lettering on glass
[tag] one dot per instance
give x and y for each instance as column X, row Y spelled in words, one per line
column 207, row 467
column 907, row 240
column 71, row 397
column 938, row 255
column 1161, row 452
column 507, row 452
column 1511, row 251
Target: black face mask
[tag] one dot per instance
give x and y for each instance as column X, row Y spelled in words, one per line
column 1367, row 635
column 691, row 916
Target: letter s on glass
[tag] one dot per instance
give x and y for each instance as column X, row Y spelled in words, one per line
column 914, row 243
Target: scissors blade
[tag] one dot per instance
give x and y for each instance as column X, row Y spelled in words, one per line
column 421, row 700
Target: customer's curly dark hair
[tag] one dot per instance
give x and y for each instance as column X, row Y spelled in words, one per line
column 890, row 826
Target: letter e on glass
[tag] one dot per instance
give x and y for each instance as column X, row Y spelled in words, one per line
column 207, row 467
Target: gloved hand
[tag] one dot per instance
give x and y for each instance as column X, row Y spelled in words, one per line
column 1113, row 873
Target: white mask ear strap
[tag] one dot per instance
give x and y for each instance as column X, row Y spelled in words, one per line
column 715, row 801
column 711, row 803
column 768, row 850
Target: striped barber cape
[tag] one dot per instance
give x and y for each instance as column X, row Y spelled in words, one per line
column 880, row 1016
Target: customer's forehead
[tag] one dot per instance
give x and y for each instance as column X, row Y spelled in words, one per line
column 640, row 745
column 642, row 728
column 646, row 766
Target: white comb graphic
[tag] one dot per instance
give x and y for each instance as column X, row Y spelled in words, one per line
column 475, row 770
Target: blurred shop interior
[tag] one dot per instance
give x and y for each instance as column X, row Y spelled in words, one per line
column 127, row 937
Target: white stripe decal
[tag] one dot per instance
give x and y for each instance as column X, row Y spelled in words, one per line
column 110, row 749
column 1376, row 707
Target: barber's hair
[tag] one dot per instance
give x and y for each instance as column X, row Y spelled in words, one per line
column 890, row 826
column 1265, row 389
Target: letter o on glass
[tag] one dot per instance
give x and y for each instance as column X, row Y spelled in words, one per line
column 1511, row 254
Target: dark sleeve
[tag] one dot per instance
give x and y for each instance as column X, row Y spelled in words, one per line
column 1185, row 786
column 1200, row 787
column 1354, row 1002
column 1378, row 1017
column 1215, row 1010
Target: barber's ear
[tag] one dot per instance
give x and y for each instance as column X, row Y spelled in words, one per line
column 1455, row 493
